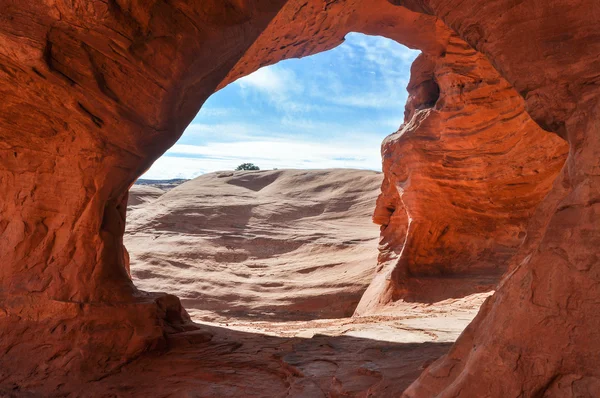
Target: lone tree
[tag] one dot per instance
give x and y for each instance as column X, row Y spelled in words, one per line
column 247, row 166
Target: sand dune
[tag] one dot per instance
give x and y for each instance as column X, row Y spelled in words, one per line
column 280, row 245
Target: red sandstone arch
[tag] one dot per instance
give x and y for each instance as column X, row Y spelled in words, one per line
column 95, row 91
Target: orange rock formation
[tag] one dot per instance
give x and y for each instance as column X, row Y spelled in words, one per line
column 94, row 91
column 463, row 177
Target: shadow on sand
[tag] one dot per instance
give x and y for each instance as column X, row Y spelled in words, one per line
column 219, row 362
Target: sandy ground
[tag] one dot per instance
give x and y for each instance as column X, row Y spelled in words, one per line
column 376, row 356
column 283, row 253
column 140, row 195
column 280, row 244
column 270, row 266
column 442, row 321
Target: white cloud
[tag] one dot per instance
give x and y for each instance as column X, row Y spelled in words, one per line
column 166, row 168
column 289, row 126
column 372, row 100
column 382, row 52
column 216, row 112
column 227, row 131
column 386, row 61
column 281, row 88
column 189, row 161
column 275, row 81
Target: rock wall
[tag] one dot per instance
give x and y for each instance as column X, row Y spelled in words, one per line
column 94, row 91
column 463, row 176
column 538, row 333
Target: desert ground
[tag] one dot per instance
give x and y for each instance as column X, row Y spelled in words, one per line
column 280, row 244
column 279, row 267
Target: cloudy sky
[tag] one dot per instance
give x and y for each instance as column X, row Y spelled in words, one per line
column 328, row 110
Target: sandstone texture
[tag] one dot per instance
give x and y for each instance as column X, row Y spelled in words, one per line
column 94, row 91
column 463, row 176
column 285, row 244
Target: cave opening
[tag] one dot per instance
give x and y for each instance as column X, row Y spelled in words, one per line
column 294, row 249
column 445, row 206
column 463, row 178
column 294, row 241
column 291, row 249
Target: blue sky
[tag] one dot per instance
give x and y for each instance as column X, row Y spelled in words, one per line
column 331, row 109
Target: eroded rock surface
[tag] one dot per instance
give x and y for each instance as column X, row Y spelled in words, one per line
column 94, row 91
column 463, row 176
column 530, row 334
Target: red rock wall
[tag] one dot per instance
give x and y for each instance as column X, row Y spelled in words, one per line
column 538, row 335
column 463, row 176
column 94, row 91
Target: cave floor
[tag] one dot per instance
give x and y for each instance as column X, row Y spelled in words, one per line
column 353, row 357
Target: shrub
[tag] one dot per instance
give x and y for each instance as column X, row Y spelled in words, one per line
column 247, row 166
